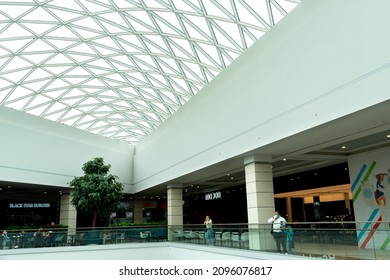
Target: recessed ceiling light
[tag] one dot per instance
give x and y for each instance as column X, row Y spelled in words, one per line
column 388, row 135
column 284, row 159
column 343, row 147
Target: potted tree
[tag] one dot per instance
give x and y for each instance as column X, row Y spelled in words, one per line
column 96, row 192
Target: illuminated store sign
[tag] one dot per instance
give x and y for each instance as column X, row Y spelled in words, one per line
column 213, row 195
column 28, row 205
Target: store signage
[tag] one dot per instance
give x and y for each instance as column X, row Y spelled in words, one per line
column 28, row 205
column 150, row 204
column 213, row 195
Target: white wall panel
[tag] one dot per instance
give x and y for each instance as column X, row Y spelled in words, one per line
column 325, row 60
column 38, row 151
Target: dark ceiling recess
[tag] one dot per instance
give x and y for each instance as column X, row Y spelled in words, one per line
column 323, row 177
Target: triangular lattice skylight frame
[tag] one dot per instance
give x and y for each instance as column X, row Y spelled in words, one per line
column 119, row 68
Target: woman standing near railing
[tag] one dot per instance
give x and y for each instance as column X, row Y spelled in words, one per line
column 209, row 230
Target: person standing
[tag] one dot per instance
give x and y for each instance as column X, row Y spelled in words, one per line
column 6, row 240
column 50, row 237
column 289, row 239
column 278, row 227
column 39, row 238
column 209, row 230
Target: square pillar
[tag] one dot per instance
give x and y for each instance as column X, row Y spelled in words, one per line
column 175, row 209
column 138, row 207
column 260, row 201
column 68, row 213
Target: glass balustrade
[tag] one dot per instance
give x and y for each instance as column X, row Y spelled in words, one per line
column 341, row 240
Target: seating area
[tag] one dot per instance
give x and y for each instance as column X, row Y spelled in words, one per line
column 221, row 238
column 29, row 240
column 232, row 239
column 116, row 236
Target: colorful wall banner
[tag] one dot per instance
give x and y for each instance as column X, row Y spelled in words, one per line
column 370, row 177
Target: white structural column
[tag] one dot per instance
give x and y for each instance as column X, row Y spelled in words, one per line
column 175, row 209
column 260, row 200
column 289, row 217
column 138, row 206
column 68, row 213
column 347, row 204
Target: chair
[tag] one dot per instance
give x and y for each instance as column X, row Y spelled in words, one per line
column 60, row 239
column 245, row 239
column 218, row 237
column 79, row 239
column 226, row 238
column 71, row 240
column 178, row 234
column 107, row 238
column 120, row 238
column 145, row 235
column 190, row 235
column 201, row 236
column 235, row 237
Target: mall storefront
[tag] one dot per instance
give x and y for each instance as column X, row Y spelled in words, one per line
column 27, row 213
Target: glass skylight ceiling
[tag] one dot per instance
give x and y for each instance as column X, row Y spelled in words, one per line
column 119, row 68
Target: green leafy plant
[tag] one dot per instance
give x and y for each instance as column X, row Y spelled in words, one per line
column 32, row 227
column 129, row 224
column 97, row 192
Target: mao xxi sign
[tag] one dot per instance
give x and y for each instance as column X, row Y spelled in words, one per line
column 213, row 195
